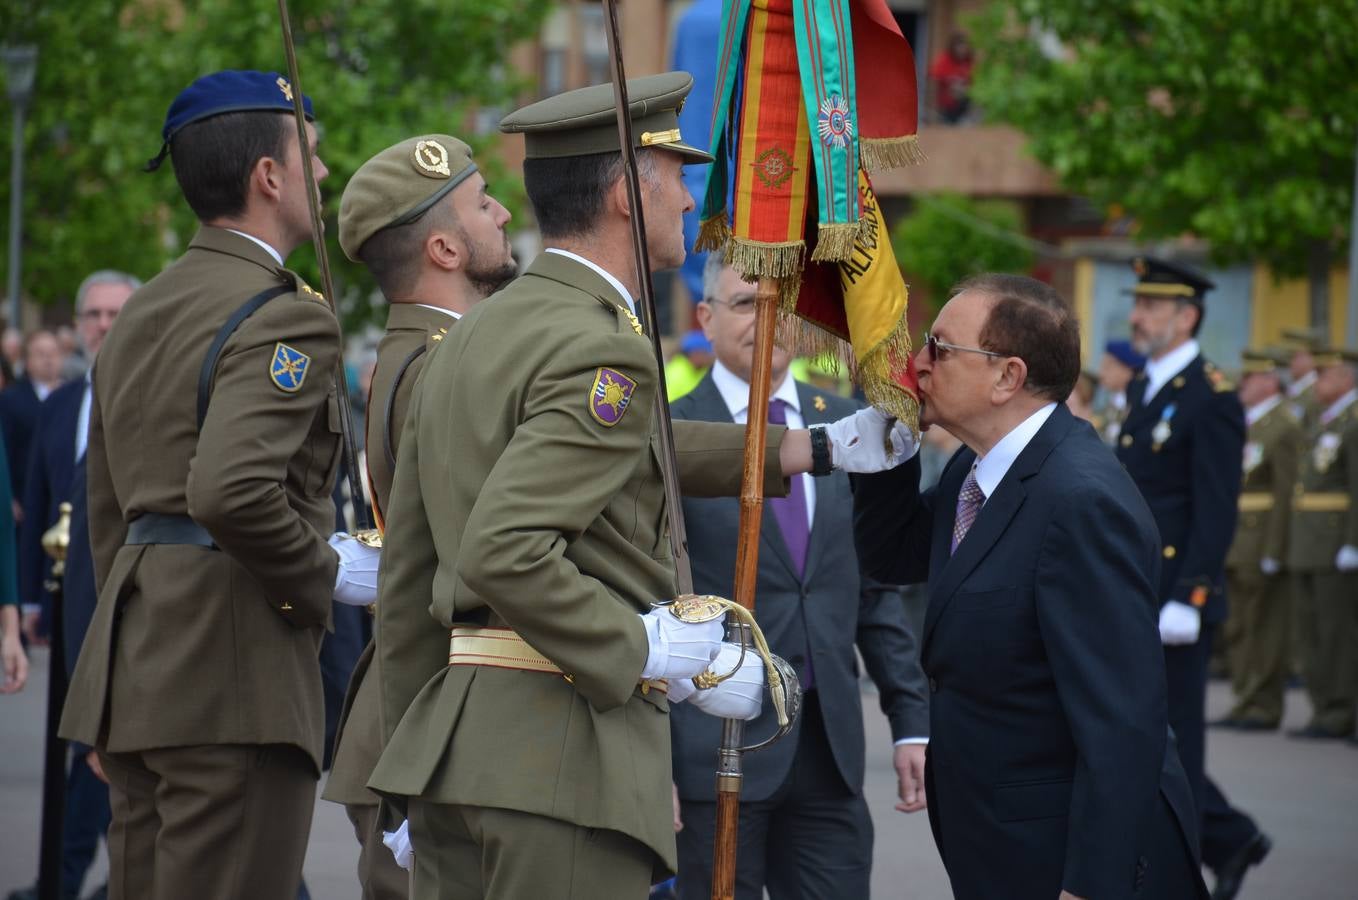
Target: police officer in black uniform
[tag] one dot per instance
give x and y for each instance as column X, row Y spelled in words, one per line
column 1183, row 442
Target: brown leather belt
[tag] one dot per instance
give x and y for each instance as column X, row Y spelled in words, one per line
column 502, row 648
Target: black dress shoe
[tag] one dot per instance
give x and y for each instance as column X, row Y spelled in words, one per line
column 1231, row 875
column 1316, row 733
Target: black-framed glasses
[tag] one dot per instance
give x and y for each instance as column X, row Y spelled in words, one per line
column 740, row 304
column 936, row 349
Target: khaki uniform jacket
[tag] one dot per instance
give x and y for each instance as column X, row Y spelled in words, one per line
column 1325, row 506
column 191, row 645
column 1272, row 452
column 412, row 331
column 514, row 503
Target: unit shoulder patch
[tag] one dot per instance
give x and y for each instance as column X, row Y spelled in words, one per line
column 610, row 396
column 288, row 368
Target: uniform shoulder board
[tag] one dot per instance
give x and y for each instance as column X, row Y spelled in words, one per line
column 1220, row 383
column 304, row 290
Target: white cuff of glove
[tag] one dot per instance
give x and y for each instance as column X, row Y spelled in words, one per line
column 742, row 695
column 680, row 690
column 356, row 574
column 678, row 649
column 1270, row 566
column 1179, row 624
column 858, row 443
column 398, row 842
column 1346, row 560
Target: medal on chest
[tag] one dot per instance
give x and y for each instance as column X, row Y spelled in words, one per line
column 1161, row 432
column 1326, row 451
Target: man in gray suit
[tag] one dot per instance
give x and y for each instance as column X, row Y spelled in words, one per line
column 805, row 831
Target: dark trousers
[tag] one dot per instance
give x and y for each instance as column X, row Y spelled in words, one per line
column 86, row 821
column 811, row 840
column 1224, row 828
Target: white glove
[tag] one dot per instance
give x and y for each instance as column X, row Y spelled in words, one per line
column 356, row 574
column 398, row 842
column 1270, row 566
column 742, row 695
column 858, row 442
column 1179, row 624
column 677, row 648
column 680, row 690
column 1346, row 560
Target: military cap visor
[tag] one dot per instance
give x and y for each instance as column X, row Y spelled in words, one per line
column 1325, row 357
column 1306, row 338
column 1169, row 281
column 584, row 122
column 1265, row 361
column 399, row 185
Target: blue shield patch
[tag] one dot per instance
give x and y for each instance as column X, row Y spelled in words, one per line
column 288, row 368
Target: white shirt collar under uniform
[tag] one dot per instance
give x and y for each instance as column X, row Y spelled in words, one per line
column 607, row 276
column 1332, row 412
column 1296, row 388
column 991, row 468
column 271, row 251
column 1261, row 409
column 1160, row 371
column 455, row 315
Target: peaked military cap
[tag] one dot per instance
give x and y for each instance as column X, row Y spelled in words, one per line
column 584, row 121
column 1159, row 278
column 231, row 90
column 1262, row 361
column 1125, row 353
column 1306, row 338
column 1334, row 356
column 399, row 185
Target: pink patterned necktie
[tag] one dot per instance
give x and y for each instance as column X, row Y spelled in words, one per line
column 969, row 502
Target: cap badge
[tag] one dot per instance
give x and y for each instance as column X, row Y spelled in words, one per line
column 285, row 88
column 432, row 158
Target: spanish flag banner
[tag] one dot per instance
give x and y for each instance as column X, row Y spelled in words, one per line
column 798, row 119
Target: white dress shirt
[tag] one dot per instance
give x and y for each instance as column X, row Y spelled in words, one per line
column 736, row 393
column 991, row 468
column 1160, row 371
column 607, row 276
column 455, row 315
column 1261, row 409
column 269, row 249
column 1334, row 409
column 82, row 421
column 1295, row 388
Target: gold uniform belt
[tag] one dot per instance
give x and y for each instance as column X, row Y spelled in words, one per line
column 502, row 648
column 1256, row 502
column 1327, row 502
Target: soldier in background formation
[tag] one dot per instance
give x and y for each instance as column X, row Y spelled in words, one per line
column 1258, row 587
column 1120, row 362
column 418, row 216
column 1323, row 555
column 1301, row 369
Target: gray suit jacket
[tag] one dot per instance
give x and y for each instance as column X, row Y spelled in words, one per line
column 830, row 608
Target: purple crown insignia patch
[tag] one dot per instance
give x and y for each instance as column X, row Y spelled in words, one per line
column 609, row 397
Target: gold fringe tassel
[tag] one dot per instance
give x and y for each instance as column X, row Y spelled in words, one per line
column 713, row 234
column 756, row 259
column 890, row 153
column 834, row 242
column 874, row 374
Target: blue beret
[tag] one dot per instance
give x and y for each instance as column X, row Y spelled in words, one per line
column 1125, row 353
column 228, row 91
column 694, row 340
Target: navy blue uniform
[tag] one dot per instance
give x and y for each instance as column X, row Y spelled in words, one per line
column 1185, row 449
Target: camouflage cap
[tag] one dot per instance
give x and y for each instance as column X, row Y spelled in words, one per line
column 584, row 122
column 399, row 185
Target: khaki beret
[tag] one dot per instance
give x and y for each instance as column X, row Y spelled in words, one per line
column 399, row 185
column 585, row 122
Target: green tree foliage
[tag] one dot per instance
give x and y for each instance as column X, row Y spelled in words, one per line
column 377, row 70
column 1235, row 120
column 948, row 237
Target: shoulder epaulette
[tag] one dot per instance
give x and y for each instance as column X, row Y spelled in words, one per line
column 1219, row 382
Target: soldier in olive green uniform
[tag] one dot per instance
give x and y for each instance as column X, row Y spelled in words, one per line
column 1259, row 624
column 1324, row 550
column 528, row 516
column 209, row 511
column 418, row 215
column 1302, row 343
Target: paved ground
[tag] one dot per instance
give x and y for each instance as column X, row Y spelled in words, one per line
column 1305, row 795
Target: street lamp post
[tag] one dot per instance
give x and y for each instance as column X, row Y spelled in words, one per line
column 21, row 63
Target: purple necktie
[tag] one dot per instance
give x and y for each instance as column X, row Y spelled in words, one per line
column 790, row 511
column 969, row 502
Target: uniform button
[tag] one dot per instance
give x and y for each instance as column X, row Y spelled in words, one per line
column 933, row 685
column 1170, row 551
column 1126, row 440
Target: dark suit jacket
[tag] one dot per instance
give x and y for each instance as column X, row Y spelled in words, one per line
column 1050, row 766
column 827, row 608
column 19, row 405
column 51, row 464
column 1192, row 480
